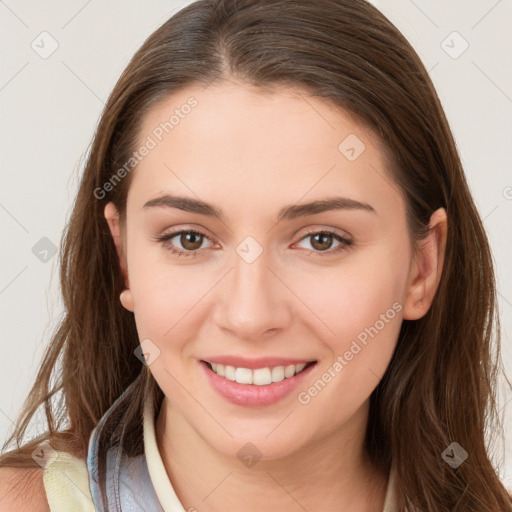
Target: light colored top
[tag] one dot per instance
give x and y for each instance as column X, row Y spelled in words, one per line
column 66, row 479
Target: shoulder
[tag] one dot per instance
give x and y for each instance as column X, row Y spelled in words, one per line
column 22, row 489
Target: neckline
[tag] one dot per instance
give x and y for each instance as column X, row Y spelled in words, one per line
column 157, row 472
column 162, row 484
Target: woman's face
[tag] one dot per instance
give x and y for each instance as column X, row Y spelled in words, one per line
column 261, row 282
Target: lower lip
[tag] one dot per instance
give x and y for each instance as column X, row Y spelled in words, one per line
column 250, row 394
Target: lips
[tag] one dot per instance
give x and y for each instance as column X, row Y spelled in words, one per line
column 251, row 395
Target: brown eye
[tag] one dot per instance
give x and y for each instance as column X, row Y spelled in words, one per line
column 191, row 240
column 322, row 241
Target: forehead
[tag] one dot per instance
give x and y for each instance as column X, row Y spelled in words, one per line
column 234, row 143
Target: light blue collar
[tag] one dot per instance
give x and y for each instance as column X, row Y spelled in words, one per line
column 118, row 483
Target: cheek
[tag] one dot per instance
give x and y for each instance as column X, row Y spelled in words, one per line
column 165, row 294
column 168, row 311
column 355, row 309
column 167, row 303
column 353, row 294
column 360, row 313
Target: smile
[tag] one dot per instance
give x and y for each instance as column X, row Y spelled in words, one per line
column 258, row 376
column 255, row 387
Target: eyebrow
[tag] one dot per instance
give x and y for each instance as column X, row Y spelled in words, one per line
column 287, row 213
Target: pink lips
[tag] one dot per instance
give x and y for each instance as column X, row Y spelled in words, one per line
column 250, row 394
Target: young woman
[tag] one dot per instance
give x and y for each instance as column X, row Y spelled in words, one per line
column 279, row 292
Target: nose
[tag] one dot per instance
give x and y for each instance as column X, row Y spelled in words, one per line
column 253, row 301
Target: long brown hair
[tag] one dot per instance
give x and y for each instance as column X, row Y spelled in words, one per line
column 440, row 385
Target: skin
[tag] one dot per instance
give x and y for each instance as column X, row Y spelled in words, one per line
column 251, row 153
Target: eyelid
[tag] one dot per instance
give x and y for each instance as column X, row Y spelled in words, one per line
column 326, row 229
column 186, row 228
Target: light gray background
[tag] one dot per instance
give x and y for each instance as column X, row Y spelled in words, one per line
column 50, row 107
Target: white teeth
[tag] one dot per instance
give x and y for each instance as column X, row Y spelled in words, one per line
column 278, row 374
column 229, row 372
column 243, row 376
column 260, row 376
column 289, row 371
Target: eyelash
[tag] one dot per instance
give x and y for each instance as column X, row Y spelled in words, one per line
column 345, row 242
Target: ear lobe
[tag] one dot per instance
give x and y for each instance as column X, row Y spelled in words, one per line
column 426, row 268
column 112, row 217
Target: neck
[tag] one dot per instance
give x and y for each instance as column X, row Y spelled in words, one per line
column 205, row 479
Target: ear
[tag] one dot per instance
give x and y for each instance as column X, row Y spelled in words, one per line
column 112, row 216
column 426, row 268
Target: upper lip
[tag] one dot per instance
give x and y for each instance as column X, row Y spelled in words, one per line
column 252, row 364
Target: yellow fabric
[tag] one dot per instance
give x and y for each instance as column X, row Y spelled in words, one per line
column 66, row 480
